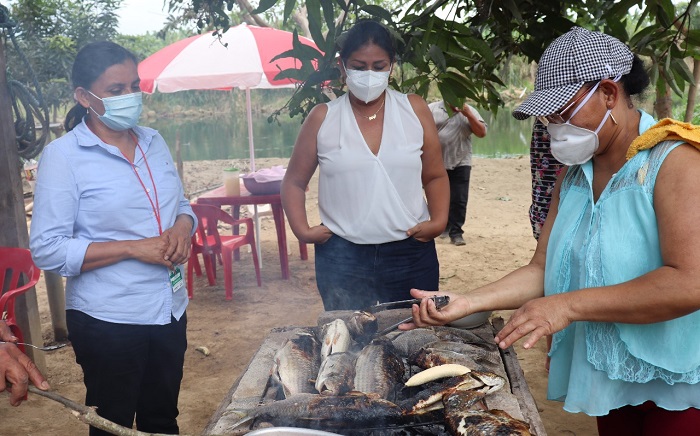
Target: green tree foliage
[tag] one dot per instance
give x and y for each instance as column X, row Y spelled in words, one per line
column 48, row 34
column 461, row 44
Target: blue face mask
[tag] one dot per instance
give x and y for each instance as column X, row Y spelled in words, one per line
column 121, row 112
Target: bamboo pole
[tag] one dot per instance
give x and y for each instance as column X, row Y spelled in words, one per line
column 57, row 304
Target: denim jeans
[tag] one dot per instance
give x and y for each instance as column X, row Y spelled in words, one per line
column 130, row 370
column 353, row 276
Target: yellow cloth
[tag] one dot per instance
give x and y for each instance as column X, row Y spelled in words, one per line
column 665, row 130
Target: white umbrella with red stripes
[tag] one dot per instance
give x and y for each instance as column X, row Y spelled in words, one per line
column 241, row 58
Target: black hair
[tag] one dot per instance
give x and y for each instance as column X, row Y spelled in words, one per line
column 367, row 32
column 636, row 81
column 91, row 61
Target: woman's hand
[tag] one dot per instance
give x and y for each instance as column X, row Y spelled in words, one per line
column 150, row 250
column 425, row 231
column 426, row 314
column 169, row 249
column 317, row 235
column 537, row 318
column 178, row 240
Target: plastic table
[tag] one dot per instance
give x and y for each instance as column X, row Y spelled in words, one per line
column 218, row 197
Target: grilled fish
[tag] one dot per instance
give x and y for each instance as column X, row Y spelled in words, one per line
column 431, row 357
column 432, row 397
column 296, row 364
column 335, row 338
column 336, row 375
column 470, row 355
column 484, row 423
column 410, row 342
column 362, row 325
column 311, row 410
column 378, row 369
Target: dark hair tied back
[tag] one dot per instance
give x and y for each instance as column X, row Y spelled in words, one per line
column 636, row 81
column 367, row 32
column 91, row 61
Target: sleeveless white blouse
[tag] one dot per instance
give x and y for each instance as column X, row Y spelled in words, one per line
column 364, row 198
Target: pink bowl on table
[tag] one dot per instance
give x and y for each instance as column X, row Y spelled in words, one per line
column 261, row 188
column 266, row 181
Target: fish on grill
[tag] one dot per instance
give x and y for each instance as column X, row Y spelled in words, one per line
column 431, row 357
column 378, row 369
column 407, row 343
column 314, row 410
column 335, row 338
column 333, row 379
column 462, row 419
column 336, row 375
column 362, row 325
column 296, row 365
column 431, row 398
column 470, row 355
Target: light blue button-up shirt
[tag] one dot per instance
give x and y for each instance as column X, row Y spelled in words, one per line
column 87, row 191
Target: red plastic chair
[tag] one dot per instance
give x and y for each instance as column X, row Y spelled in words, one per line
column 212, row 245
column 15, row 264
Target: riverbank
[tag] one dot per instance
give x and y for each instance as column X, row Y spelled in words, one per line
column 498, row 237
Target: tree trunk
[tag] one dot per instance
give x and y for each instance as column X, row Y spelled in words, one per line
column 13, row 221
column 692, row 93
column 251, row 18
column 302, row 21
column 256, row 19
column 663, row 103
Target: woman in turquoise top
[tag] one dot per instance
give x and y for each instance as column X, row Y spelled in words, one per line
column 616, row 274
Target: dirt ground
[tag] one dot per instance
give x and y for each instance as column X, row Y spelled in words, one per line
column 498, row 237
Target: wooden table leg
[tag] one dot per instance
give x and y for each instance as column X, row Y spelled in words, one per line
column 278, row 215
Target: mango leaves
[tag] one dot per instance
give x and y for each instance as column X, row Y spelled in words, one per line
column 460, row 44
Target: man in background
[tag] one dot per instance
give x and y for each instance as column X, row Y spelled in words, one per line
column 455, row 137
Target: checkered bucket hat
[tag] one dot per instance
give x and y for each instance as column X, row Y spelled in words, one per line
column 576, row 57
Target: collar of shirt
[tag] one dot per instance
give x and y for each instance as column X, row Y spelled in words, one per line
column 87, row 138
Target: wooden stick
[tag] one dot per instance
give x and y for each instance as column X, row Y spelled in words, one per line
column 89, row 416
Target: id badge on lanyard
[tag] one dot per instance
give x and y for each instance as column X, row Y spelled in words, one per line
column 176, row 281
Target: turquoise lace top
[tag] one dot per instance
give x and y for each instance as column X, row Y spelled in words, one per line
column 597, row 367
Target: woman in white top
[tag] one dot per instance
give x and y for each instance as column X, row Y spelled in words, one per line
column 378, row 153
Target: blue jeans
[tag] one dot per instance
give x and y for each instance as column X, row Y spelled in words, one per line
column 353, row 276
column 130, row 370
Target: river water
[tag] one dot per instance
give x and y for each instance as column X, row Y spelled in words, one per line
column 227, row 138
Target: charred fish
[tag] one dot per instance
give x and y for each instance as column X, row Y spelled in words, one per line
column 336, row 375
column 378, row 369
column 296, row 365
column 310, row 410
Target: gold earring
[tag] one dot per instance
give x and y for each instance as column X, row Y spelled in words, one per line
column 613, row 118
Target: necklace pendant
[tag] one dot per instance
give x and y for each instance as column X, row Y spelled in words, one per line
column 372, row 117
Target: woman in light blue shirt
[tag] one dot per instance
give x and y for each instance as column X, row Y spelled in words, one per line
column 110, row 215
column 616, row 274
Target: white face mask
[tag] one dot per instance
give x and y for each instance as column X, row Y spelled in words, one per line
column 573, row 145
column 367, row 85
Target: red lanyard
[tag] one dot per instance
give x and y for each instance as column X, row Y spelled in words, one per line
column 155, row 206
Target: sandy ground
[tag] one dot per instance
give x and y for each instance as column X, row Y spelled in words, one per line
column 498, row 238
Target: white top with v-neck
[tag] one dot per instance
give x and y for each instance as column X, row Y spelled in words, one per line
column 364, row 198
